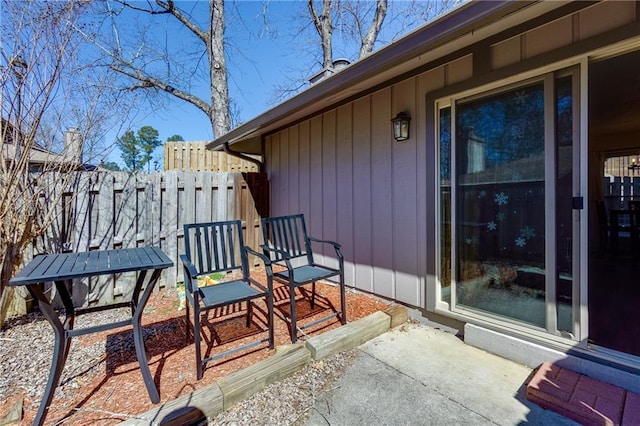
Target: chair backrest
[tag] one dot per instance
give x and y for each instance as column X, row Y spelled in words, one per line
column 216, row 246
column 288, row 234
column 634, row 206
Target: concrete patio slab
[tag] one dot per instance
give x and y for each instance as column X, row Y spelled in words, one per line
column 416, row 374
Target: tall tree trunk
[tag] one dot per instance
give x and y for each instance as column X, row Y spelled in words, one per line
column 324, row 27
column 217, row 107
column 369, row 40
column 220, row 121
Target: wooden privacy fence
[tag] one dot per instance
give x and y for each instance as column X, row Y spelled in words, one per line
column 193, row 156
column 110, row 210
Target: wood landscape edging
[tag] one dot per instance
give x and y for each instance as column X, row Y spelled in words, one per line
column 212, row 400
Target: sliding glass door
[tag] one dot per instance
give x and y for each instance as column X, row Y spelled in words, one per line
column 508, row 228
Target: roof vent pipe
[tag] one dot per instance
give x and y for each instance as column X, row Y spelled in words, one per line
column 73, row 145
column 337, row 65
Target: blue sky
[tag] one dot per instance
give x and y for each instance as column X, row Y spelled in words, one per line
column 257, row 62
column 259, row 58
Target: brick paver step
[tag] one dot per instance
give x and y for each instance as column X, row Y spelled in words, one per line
column 582, row 398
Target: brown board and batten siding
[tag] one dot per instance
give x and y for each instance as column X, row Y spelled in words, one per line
column 358, row 186
column 563, row 32
column 376, row 196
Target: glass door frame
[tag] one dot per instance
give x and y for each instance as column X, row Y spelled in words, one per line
column 579, row 188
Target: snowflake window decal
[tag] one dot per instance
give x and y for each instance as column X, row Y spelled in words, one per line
column 491, row 226
column 500, row 217
column 527, row 232
column 482, row 194
column 501, row 198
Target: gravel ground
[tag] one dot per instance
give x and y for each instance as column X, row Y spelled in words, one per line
column 288, row 401
column 26, row 349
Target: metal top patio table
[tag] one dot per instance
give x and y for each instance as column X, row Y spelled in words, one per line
column 61, row 268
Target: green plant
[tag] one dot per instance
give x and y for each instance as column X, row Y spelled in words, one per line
column 217, row 276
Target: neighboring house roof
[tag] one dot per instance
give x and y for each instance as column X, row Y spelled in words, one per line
column 529, row 169
column 460, row 28
column 38, row 155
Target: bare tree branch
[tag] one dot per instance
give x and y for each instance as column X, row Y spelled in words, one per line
column 324, row 27
column 140, row 64
column 169, row 7
column 39, row 71
column 369, row 40
column 358, row 27
column 147, row 82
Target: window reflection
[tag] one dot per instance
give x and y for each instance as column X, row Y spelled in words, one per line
column 445, row 204
column 564, row 209
column 500, row 201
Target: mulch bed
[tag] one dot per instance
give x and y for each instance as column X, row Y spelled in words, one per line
column 102, row 384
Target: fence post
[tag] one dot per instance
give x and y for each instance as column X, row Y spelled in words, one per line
column 103, row 287
column 205, row 205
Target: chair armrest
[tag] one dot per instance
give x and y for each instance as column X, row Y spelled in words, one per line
column 265, row 260
column 336, row 246
column 333, row 243
column 190, row 273
column 267, row 268
column 284, row 254
column 285, row 257
column 262, row 257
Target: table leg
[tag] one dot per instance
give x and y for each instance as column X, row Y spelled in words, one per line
column 69, row 309
column 60, row 351
column 138, row 338
column 136, row 290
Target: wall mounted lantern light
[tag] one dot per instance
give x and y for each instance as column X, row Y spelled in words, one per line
column 401, row 126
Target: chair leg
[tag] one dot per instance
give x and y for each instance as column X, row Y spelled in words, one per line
column 187, row 322
column 249, row 313
column 196, row 338
column 313, row 294
column 292, row 322
column 270, row 319
column 343, row 301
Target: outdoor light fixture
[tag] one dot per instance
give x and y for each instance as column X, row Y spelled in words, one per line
column 401, row 126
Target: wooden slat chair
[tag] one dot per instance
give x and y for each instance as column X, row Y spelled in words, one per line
column 219, row 247
column 286, row 242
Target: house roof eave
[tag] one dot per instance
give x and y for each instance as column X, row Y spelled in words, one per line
column 362, row 74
